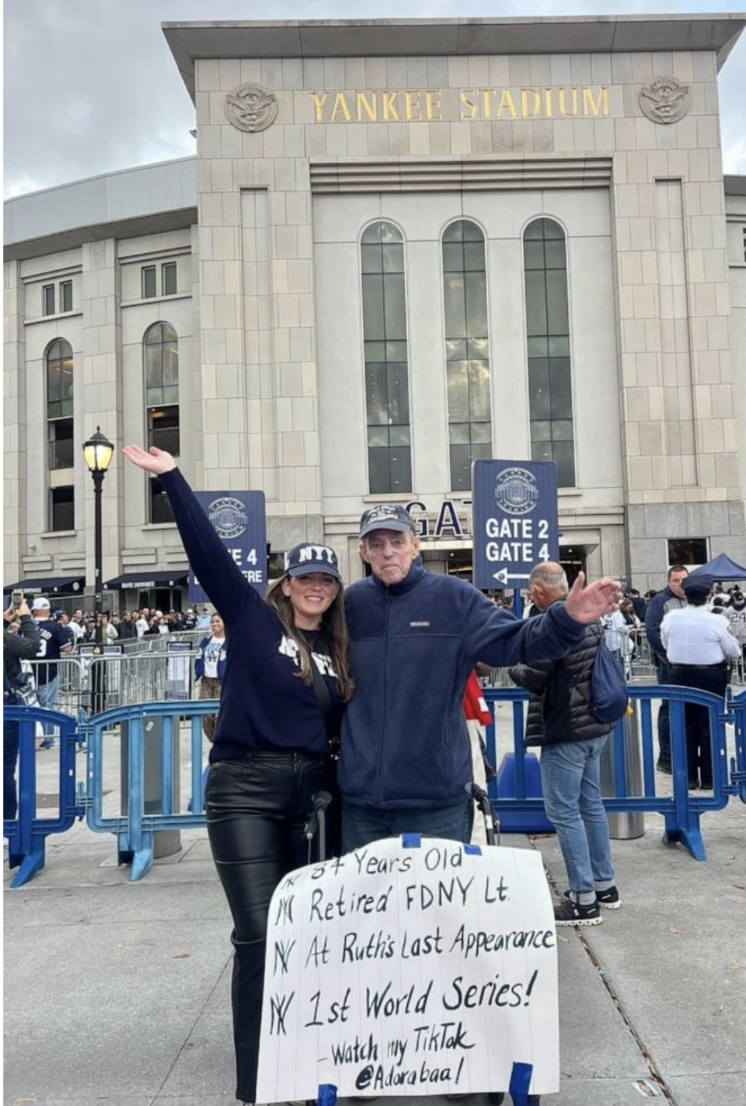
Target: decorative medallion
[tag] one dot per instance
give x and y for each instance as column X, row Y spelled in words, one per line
column 228, row 516
column 664, row 100
column 251, row 107
column 516, row 491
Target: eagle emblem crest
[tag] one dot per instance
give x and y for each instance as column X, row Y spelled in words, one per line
column 664, row 100
column 251, row 107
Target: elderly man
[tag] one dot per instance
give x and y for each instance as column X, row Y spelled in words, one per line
column 698, row 644
column 406, row 760
column 572, row 739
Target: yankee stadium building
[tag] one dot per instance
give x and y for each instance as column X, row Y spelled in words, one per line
column 402, row 246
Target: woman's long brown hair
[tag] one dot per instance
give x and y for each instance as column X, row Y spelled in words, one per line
column 334, row 625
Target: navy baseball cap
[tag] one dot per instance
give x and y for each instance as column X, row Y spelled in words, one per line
column 386, row 516
column 310, row 557
column 697, row 586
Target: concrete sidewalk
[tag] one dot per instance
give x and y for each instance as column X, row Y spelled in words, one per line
column 119, row 992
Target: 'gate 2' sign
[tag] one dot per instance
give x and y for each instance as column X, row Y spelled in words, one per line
column 515, row 520
column 239, row 520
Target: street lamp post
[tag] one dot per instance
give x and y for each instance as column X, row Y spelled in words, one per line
column 98, row 452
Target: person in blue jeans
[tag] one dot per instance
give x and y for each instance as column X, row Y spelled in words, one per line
column 560, row 720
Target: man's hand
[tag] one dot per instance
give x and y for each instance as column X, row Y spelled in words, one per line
column 155, row 461
column 586, row 604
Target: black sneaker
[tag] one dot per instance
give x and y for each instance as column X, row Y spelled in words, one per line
column 570, row 913
column 608, row 898
column 664, row 766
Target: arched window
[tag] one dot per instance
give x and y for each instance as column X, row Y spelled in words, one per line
column 60, row 429
column 467, row 350
column 161, row 355
column 548, row 335
column 386, row 360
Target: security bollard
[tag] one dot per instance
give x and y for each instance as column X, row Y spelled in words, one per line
column 623, row 825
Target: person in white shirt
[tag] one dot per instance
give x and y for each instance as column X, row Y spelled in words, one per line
column 698, row 645
column 210, row 669
column 615, row 635
column 143, row 624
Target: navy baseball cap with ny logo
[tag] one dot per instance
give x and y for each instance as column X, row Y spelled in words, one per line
column 309, row 557
column 386, row 516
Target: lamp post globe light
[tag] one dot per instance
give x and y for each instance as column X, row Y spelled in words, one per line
column 98, row 452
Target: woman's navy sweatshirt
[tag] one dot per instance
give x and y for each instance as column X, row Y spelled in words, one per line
column 264, row 704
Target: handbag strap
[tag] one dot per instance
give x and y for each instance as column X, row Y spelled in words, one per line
column 324, row 697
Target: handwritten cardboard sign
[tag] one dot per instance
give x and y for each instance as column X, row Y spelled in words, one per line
column 418, row 970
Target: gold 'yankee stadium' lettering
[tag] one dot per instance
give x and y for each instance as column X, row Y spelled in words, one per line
column 426, row 105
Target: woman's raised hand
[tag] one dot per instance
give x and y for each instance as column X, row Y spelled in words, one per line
column 155, row 461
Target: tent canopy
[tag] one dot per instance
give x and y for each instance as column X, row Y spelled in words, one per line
column 721, row 568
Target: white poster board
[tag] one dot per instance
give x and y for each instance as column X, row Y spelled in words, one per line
column 418, row 970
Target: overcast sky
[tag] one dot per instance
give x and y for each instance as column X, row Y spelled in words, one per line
column 90, row 85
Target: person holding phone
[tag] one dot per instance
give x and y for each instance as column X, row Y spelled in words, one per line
column 19, row 646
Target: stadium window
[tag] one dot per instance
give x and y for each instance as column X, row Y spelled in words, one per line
column 548, row 339
column 386, row 359
column 148, row 282
column 467, row 350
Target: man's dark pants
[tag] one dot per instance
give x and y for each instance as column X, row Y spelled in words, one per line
column 698, row 738
column 664, row 720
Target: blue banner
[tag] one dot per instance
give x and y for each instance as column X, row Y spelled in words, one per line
column 238, row 519
column 515, row 520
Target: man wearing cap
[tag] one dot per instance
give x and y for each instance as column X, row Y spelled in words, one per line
column 406, row 763
column 670, row 598
column 697, row 644
column 56, row 640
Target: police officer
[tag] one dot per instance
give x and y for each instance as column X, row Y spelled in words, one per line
column 698, row 644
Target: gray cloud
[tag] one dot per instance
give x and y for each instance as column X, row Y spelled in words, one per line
column 90, row 85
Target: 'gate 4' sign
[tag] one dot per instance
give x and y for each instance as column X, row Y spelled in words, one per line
column 413, row 966
column 239, row 520
column 515, row 520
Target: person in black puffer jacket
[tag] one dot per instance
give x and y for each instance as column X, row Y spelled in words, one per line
column 572, row 739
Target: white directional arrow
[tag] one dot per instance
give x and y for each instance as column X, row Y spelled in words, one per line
column 503, row 576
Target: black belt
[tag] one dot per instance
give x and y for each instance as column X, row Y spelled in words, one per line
column 700, row 667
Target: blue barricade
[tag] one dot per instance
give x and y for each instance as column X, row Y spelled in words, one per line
column 681, row 811
column 150, row 791
column 27, row 832
column 150, row 734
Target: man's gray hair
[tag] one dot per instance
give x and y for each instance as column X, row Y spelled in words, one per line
column 550, row 579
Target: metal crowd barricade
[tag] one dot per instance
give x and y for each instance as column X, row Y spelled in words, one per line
column 164, row 729
column 145, row 814
column 27, row 832
column 682, row 810
column 145, row 676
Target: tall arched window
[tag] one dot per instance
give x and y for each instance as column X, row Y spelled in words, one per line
column 60, row 427
column 161, row 354
column 386, row 361
column 467, row 350
column 548, row 334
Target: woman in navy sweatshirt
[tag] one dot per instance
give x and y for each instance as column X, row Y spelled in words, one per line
column 271, row 749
